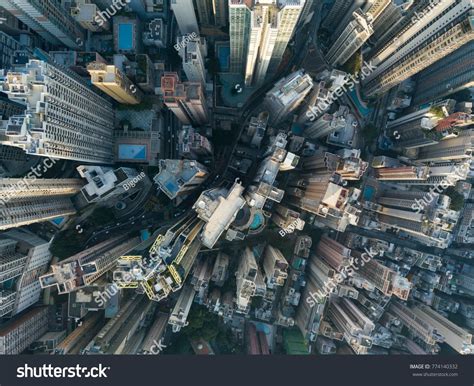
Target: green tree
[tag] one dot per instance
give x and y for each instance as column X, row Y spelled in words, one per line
column 354, row 64
column 202, row 324
column 457, row 199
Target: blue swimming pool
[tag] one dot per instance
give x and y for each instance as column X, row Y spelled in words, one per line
column 257, row 221
column 363, row 110
column 369, row 192
column 58, row 220
column 125, row 37
column 223, row 56
column 132, row 152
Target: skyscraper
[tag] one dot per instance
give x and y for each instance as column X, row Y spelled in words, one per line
column 105, row 183
column 390, row 16
column 193, row 145
column 458, row 338
column 287, row 94
column 451, row 74
column 310, row 310
column 351, row 39
column 10, row 108
column 186, row 100
column 114, row 83
column 246, row 280
column 185, row 16
column 426, row 217
column 180, row 177
column 239, row 18
column 371, row 9
column 325, row 125
column 30, row 256
column 86, row 13
column 20, row 332
column 28, row 201
column 85, row 267
column 275, row 267
column 384, row 278
column 353, row 323
column 49, row 19
column 193, row 52
column 454, row 149
column 204, row 11
column 8, row 46
column 64, row 118
column 181, row 309
column 445, row 26
column 259, row 34
column 218, row 208
column 220, row 9
column 338, row 12
column 420, row 128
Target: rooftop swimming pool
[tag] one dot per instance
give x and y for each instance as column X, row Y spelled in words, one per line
column 125, row 37
column 132, row 152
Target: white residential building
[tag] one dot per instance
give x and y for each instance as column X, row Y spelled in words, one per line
column 193, row 52
column 287, row 94
column 64, row 119
column 50, row 19
column 30, row 256
column 445, row 26
column 259, row 34
column 31, row 200
column 185, row 16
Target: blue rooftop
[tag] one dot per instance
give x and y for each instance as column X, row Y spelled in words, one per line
column 125, row 36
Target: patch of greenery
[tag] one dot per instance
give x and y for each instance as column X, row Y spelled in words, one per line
column 457, row 199
column 354, row 64
column 227, row 344
column 202, row 324
column 179, row 346
column 437, row 112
